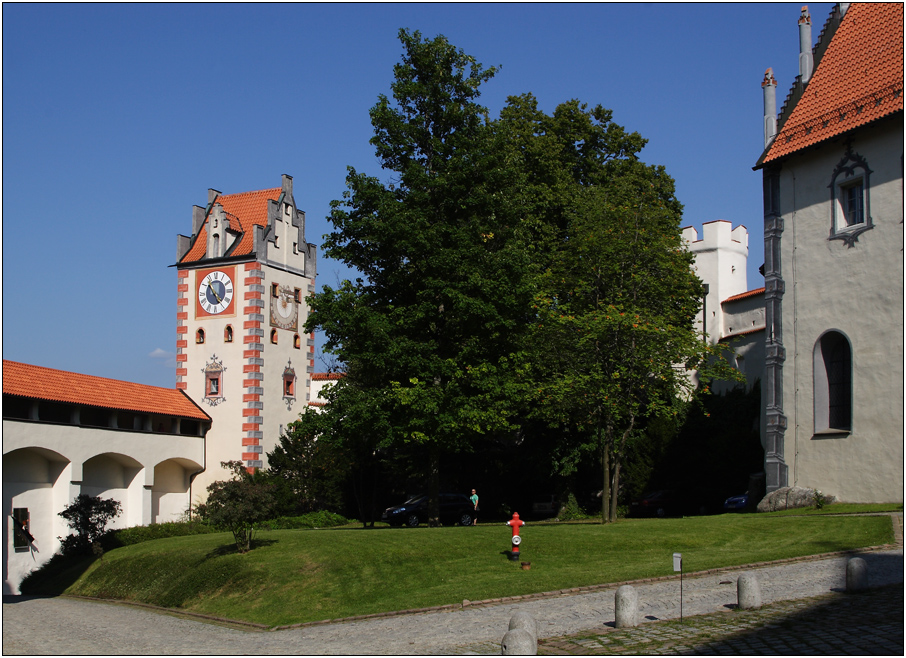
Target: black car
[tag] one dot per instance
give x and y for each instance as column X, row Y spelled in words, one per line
column 454, row 509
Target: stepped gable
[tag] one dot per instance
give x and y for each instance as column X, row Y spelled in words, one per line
column 859, row 79
column 30, row 381
column 245, row 211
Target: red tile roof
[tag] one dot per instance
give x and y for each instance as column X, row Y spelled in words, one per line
column 859, row 79
column 60, row 386
column 244, row 210
column 327, row 376
column 744, row 295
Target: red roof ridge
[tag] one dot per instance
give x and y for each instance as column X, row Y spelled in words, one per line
column 327, row 376
column 26, row 380
column 744, row 295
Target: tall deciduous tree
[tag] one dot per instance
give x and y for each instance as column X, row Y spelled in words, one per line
column 428, row 329
column 614, row 311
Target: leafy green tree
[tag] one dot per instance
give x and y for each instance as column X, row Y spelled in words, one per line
column 613, row 336
column 306, row 469
column 427, row 332
column 87, row 516
column 238, row 505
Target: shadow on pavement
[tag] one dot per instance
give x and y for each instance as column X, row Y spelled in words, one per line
column 869, row 623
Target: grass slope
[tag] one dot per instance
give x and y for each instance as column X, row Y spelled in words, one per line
column 294, row 576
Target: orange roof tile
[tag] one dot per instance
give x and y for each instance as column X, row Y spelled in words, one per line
column 327, row 376
column 858, row 80
column 245, row 210
column 60, row 386
column 744, row 295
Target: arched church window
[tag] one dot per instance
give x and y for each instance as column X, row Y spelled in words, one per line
column 228, row 334
column 199, row 336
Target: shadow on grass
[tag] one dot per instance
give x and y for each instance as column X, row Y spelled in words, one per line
column 231, row 549
column 56, row 575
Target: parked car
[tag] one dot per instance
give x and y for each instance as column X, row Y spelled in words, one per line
column 737, row 503
column 655, row 503
column 546, row 506
column 454, row 509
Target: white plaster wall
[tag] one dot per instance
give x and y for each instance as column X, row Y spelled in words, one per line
column 45, row 466
column 224, row 439
column 277, row 414
column 857, row 291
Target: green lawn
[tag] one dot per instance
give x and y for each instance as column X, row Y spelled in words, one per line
column 304, row 575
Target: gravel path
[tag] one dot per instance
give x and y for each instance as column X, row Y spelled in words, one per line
column 49, row 626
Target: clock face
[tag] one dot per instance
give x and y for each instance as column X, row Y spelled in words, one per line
column 215, row 292
column 284, row 309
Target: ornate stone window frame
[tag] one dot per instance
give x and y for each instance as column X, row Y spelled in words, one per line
column 850, row 172
column 289, row 385
column 213, row 381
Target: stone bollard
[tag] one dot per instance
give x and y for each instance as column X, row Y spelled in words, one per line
column 748, row 592
column 626, row 605
column 856, row 575
column 518, row 642
column 526, row 622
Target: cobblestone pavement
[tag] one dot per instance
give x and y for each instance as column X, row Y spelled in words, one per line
column 53, row 626
column 869, row 623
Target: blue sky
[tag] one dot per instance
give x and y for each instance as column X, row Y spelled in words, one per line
column 118, row 118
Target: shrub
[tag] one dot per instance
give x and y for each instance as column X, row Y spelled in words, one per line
column 88, row 517
column 570, row 510
column 138, row 534
column 322, row 519
column 239, row 505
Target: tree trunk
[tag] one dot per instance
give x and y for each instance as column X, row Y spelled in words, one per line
column 614, row 490
column 434, row 487
column 605, row 492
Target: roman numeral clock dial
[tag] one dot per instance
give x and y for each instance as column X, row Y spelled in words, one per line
column 215, row 292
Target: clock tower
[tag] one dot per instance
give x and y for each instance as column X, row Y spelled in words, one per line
column 243, row 278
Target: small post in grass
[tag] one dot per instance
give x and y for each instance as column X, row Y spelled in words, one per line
column 678, row 566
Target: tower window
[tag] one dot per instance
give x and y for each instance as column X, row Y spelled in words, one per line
column 297, row 295
column 853, row 201
column 199, row 336
column 274, row 336
column 228, row 334
column 275, row 290
column 297, row 342
column 850, row 198
column 213, row 385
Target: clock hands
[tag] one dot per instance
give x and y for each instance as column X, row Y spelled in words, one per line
column 214, row 292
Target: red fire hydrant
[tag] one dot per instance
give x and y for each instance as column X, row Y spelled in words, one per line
column 515, row 523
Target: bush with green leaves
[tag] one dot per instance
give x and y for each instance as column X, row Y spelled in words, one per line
column 240, row 505
column 87, row 516
column 141, row 533
column 322, row 519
